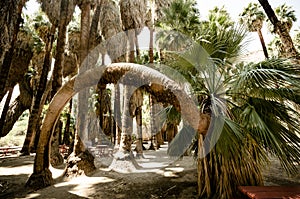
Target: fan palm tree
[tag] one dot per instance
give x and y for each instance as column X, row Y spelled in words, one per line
column 286, row 15
column 255, row 104
column 247, row 112
column 282, row 31
column 253, row 18
column 179, row 21
column 9, row 29
column 133, row 13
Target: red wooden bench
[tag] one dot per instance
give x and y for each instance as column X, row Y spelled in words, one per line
column 4, row 151
column 260, row 192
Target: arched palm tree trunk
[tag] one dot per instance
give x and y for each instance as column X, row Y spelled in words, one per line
column 42, row 176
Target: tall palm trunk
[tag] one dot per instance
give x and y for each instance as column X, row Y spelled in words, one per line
column 60, row 48
column 125, row 144
column 80, row 160
column 137, row 47
column 151, row 53
column 281, row 30
column 153, row 122
column 263, row 43
column 131, row 38
column 139, row 132
column 37, row 102
column 66, row 139
column 117, row 115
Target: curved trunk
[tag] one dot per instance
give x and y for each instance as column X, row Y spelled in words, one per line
column 110, row 74
column 261, row 38
column 17, row 107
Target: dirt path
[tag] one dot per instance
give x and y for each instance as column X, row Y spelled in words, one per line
column 158, row 177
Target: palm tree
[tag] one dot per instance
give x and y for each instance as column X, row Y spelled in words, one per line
column 65, row 15
column 281, row 30
column 133, row 13
column 275, row 47
column 256, row 107
column 42, row 176
column 253, row 17
column 85, row 164
column 9, row 30
column 47, row 32
column 23, row 53
column 111, row 27
column 235, row 109
column 180, row 19
column 286, row 15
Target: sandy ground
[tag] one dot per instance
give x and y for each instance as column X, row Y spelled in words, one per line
column 158, row 177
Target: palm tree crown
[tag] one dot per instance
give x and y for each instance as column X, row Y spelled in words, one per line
column 286, row 15
column 253, row 17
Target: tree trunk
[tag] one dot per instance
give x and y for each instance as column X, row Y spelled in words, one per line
column 55, row 157
column 151, row 53
column 81, row 161
column 131, row 38
column 123, row 159
column 281, row 30
column 125, row 144
column 37, row 102
column 139, row 132
column 41, row 176
column 66, row 139
column 20, row 104
column 153, row 122
column 263, row 43
column 9, row 27
column 60, row 48
column 5, row 109
column 117, row 115
column 137, row 47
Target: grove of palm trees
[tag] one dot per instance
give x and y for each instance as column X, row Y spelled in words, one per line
column 146, row 99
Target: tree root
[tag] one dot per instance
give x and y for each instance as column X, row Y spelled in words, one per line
column 40, row 180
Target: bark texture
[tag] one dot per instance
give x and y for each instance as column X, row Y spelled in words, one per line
column 109, row 74
column 281, row 29
column 10, row 20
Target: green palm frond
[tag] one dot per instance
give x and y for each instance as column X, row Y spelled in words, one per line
column 272, row 126
column 273, row 73
column 235, row 160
